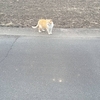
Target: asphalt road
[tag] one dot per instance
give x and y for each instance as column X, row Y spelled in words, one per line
column 49, row 67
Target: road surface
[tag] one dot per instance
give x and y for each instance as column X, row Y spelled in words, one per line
column 49, row 67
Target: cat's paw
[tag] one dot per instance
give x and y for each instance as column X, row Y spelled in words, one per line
column 39, row 31
column 50, row 33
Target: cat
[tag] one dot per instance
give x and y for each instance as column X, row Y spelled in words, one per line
column 45, row 24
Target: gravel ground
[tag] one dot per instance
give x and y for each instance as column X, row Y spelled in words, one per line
column 65, row 13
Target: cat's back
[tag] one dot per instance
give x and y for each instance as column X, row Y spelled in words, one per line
column 42, row 22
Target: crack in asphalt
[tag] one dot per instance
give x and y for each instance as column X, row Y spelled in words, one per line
column 9, row 50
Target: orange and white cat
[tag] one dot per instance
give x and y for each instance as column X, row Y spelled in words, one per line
column 45, row 24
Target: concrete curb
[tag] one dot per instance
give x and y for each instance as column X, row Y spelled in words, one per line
column 57, row 32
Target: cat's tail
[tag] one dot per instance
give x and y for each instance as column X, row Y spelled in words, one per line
column 35, row 26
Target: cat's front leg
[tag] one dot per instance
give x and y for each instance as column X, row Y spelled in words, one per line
column 48, row 30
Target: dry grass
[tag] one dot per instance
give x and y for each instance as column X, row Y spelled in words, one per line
column 65, row 13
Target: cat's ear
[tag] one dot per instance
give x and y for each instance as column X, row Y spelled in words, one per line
column 50, row 19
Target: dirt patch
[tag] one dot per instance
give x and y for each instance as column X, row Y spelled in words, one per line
column 65, row 13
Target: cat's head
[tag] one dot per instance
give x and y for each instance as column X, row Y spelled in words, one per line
column 50, row 22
